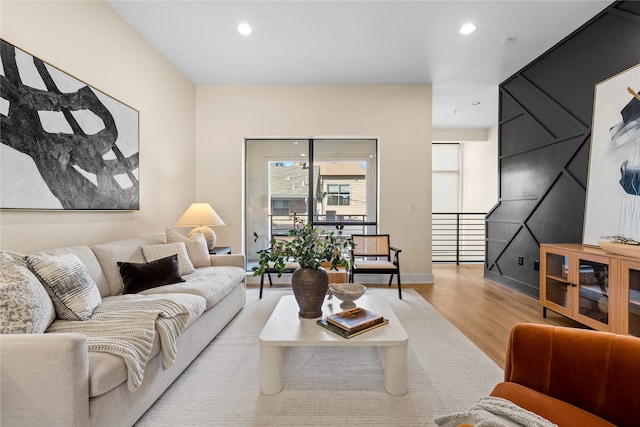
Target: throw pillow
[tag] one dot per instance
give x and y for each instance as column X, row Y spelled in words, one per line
column 16, row 258
column 138, row 277
column 196, row 247
column 25, row 307
column 67, row 281
column 154, row 252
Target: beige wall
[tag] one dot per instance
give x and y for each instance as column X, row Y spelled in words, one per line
column 478, row 163
column 480, row 173
column 398, row 116
column 91, row 42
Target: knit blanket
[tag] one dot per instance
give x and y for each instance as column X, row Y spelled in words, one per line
column 494, row 412
column 127, row 325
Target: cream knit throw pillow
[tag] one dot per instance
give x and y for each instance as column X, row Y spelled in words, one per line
column 154, row 252
column 196, row 247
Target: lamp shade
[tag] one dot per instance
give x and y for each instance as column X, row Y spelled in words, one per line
column 199, row 214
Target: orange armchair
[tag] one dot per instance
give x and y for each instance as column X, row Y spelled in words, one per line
column 573, row 377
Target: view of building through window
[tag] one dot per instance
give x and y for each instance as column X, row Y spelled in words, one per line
column 325, row 182
column 337, row 191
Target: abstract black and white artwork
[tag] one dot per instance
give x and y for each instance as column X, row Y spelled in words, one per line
column 64, row 144
column 613, row 191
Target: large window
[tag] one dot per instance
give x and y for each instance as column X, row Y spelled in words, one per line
column 325, row 182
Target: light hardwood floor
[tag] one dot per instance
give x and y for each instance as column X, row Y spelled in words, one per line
column 481, row 309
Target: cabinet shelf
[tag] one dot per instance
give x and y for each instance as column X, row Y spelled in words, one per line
column 560, row 279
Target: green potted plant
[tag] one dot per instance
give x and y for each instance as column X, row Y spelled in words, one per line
column 313, row 251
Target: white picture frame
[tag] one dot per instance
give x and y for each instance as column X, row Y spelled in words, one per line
column 612, row 207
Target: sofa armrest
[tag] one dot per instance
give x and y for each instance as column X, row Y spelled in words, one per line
column 44, row 380
column 234, row 260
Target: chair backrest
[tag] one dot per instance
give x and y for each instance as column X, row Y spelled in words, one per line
column 595, row 371
column 370, row 245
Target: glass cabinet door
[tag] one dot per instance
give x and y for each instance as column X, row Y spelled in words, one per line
column 557, row 282
column 593, row 290
column 633, row 303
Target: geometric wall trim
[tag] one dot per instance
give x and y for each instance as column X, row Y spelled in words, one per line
column 544, row 140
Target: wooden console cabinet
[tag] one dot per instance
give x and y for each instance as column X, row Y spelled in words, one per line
column 596, row 288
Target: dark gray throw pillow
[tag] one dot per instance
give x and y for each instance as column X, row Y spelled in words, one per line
column 138, row 277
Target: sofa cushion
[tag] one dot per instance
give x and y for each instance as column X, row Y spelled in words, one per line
column 138, row 277
column 211, row 283
column 154, row 252
column 25, row 306
column 126, row 250
column 107, row 371
column 196, row 247
column 67, row 281
column 557, row 411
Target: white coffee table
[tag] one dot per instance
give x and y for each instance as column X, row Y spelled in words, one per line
column 286, row 329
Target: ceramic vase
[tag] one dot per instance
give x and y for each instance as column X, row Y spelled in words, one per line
column 309, row 288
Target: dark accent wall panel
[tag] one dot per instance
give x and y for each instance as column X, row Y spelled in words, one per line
column 544, row 138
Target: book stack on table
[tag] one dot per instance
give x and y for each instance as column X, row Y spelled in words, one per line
column 352, row 322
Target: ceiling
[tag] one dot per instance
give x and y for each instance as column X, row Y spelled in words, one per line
column 362, row 42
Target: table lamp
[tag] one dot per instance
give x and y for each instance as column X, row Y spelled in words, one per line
column 201, row 216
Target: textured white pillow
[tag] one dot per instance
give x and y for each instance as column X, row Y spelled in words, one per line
column 154, row 252
column 67, row 281
column 196, row 247
column 25, row 307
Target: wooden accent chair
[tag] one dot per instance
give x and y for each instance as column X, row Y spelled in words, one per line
column 290, row 268
column 372, row 255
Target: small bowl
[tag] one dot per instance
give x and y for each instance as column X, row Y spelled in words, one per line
column 347, row 293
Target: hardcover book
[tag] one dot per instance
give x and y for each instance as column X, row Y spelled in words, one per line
column 355, row 319
column 345, row 334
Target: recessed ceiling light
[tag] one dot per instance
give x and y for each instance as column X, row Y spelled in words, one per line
column 244, row 29
column 468, row 28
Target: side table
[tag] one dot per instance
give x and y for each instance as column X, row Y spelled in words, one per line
column 338, row 276
column 221, row 250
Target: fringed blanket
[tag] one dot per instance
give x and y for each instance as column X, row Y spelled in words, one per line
column 126, row 326
column 495, row 412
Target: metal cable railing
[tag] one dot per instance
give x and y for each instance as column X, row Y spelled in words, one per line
column 458, row 237
column 353, row 224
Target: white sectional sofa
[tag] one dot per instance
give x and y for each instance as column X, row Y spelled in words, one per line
column 53, row 379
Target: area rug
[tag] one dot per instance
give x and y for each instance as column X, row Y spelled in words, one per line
column 325, row 386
